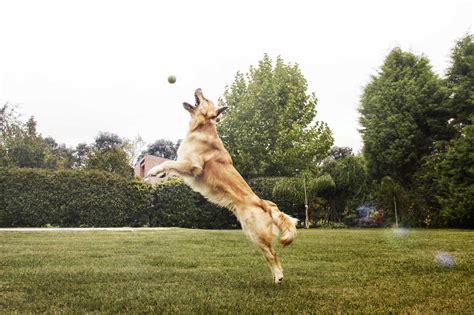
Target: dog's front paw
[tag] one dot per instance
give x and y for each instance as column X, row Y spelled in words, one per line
column 161, row 175
column 157, row 171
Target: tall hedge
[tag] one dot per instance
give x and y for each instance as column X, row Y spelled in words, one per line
column 72, row 198
column 175, row 204
column 38, row 197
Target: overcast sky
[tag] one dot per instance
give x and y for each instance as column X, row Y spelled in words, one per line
column 80, row 67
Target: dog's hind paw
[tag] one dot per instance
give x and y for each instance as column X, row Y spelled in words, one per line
column 278, row 280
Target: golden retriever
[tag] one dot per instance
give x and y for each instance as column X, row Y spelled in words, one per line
column 206, row 166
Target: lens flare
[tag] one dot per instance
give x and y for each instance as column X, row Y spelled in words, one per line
column 444, row 259
column 400, row 232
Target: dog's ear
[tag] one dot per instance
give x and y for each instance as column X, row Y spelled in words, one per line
column 190, row 108
column 221, row 110
column 218, row 112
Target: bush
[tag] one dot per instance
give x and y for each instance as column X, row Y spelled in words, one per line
column 330, row 224
column 37, row 197
column 267, row 188
column 175, row 204
column 88, row 198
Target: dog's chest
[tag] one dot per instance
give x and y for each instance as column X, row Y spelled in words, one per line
column 197, row 185
column 215, row 197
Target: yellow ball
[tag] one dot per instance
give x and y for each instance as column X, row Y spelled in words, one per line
column 171, row 79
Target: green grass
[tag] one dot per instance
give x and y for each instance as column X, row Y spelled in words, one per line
column 183, row 271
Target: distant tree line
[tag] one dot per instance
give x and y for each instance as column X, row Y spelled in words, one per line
column 22, row 146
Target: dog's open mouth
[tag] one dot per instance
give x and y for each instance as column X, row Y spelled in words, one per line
column 196, row 98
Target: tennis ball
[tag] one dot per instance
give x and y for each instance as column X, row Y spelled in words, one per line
column 171, row 79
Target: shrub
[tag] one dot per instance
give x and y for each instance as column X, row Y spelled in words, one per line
column 267, row 188
column 89, row 198
column 37, row 197
column 330, row 224
column 175, row 204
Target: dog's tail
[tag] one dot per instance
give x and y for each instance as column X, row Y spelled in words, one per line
column 285, row 223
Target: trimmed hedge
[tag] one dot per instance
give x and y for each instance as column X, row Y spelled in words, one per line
column 264, row 187
column 38, row 197
column 72, row 198
column 175, row 204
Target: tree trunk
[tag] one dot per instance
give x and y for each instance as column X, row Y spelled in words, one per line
column 306, row 221
column 396, row 215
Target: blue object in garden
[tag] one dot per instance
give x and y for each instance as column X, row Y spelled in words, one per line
column 365, row 210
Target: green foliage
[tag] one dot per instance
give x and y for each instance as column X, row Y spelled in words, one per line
column 58, row 155
column 36, row 197
column 402, row 115
column 22, row 146
column 417, row 131
column 269, row 127
column 330, row 224
column 349, row 173
column 391, row 193
column 263, row 186
column 162, row 148
column 289, row 192
column 456, row 180
column 113, row 159
column 107, row 140
column 81, row 154
column 444, row 182
column 175, row 204
column 460, row 81
column 336, row 153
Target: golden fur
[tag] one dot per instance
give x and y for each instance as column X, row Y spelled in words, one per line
column 206, row 166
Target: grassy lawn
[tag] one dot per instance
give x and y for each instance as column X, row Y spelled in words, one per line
column 183, row 271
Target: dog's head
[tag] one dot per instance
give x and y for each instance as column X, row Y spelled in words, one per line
column 204, row 111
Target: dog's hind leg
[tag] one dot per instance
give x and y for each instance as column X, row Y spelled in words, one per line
column 258, row 225
column 273, row 261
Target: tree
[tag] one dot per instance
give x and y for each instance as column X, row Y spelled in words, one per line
column 337, row 153
column 460, row 81
column 444, row 182
column 9, row 127
column 58, row 156
column 26, row 148
column 455, row 176
column 269, row 127
column 305, row 190
column 455, row 180
column 81, row 154
column 163, row 148
column 350, row 178
column 133, row 148
column 22, row 146
column 113, row 159
column 8, row 120
column 402, row 114
column 394, row 199
column 107, row 140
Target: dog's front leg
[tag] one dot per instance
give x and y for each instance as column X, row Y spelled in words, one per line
column 183, row 168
